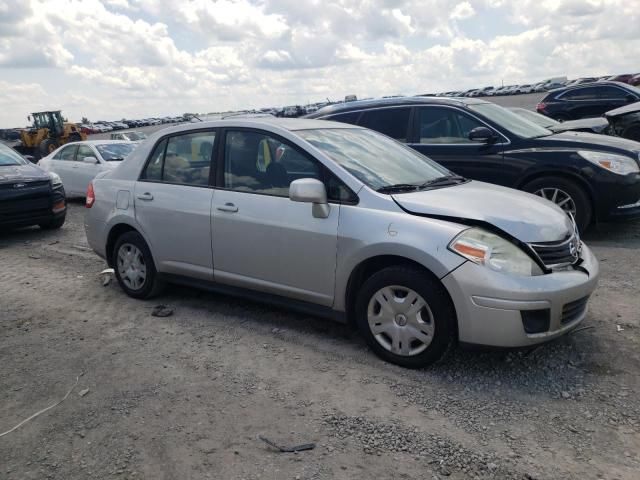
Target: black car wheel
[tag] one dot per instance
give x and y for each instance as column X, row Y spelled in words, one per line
column 567, row 195
column 53, row 224
column 134, row 266
column 406, row 316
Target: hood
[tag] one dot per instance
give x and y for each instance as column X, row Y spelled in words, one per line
column 591, row 141
column 22, row 173
column 524, row 216
column 631, row 108
column 597, row 125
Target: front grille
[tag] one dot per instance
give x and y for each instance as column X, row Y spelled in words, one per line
column 573, row 310
column 22, row 209
column 24, row 185
column 553, row 254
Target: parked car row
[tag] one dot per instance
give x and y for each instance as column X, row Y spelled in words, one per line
column 103, row 126
column 391, row 214
column 547, row 85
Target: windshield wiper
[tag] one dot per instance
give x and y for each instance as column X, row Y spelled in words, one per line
column 444, row 180
column 398, row 187
column 115, row 159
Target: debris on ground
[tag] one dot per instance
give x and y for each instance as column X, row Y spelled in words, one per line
column 161, row 311
column 43, row 410
column 83, row 392
column 619, row 328
column 293, row 449
column 34, row 256
column 106, row 276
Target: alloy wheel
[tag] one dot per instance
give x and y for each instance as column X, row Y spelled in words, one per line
column 400, row 320
column 131, row 266
column 559, row 197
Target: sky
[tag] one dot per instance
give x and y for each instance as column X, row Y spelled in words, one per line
column 114, row 59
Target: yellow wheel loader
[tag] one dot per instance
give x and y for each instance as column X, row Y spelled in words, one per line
column 47, row 133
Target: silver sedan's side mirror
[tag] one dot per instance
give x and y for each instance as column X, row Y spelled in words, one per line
column 310, row 190
column 92, row 160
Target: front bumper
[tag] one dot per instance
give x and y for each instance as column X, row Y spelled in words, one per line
column 489, row 304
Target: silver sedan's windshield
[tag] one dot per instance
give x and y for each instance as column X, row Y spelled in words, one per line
column 510, row 121
column 375, row 160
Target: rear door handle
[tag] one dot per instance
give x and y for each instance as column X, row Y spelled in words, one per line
column 228, row 207
column 145, row 196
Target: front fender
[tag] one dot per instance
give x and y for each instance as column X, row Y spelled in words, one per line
column 364, row 234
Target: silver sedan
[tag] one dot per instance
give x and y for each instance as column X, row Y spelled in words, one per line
column 343, row 222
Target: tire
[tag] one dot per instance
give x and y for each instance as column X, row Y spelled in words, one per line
column 53, row 224
column 632, row 132
column 435, row 322
column 130, row 278
column 74, row 137
column 47, row 146
column 545, row 187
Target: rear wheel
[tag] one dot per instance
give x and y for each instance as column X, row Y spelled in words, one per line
column 406, row 316
column 134, row 267
column 632, row 132
column 74, row 137
column 567, row 195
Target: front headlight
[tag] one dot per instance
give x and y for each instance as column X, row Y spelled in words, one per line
column 619, row 164
column 485, row 248
column 56, row 181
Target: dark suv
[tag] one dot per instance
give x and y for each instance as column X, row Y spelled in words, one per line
column 587, row 100
column 28, row 194
column 592, row 177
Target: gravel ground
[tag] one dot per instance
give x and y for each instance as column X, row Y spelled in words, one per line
column 184, row 397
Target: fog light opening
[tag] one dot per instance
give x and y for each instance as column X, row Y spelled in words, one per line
column 536, row 321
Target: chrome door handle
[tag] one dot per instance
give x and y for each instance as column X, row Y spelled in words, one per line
column 145, row 196
column 228, row 207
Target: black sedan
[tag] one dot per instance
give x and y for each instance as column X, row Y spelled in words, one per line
column 28, row 194
column 587, row 100
column 592, row 177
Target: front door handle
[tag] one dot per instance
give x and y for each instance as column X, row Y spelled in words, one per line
column 228, row 207
column 145, row 196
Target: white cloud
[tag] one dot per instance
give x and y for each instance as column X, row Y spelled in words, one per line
column 462, row 11
column 115, row 58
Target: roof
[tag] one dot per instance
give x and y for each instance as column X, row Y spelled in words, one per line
column 291, row 124
column 396, row 101
column 602, row 83
column 99, row 142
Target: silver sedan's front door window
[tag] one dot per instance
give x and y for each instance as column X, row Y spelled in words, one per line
column 260, row 238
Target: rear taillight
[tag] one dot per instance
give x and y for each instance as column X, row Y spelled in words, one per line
column 541, row 106
column 91, row 197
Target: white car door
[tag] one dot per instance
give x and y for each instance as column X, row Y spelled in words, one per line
column 61, row 163
column 83, row 172
column 260, row 238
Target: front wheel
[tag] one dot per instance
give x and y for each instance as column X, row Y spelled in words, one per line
column 134, row 267
column 567, row 195
column 406, row 316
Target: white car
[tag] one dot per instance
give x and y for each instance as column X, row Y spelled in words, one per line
column 79, row 162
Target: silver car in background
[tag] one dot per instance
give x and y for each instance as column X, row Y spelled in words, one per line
column 343, row 222
column 78, row 163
